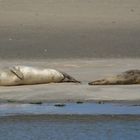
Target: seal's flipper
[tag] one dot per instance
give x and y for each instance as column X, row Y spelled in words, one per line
column 68, row 78
column 17, row 72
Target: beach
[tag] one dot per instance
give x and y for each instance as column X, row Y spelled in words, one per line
column 88, row 39
column 83, row 70
column 33, row 29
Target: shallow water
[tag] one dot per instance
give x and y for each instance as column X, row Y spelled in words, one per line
column 69, row 108
column 90, row 121
column 70, row 130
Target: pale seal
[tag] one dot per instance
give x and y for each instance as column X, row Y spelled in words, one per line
column 125, row 78
column 26, row 75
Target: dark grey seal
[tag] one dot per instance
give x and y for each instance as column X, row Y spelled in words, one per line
column 125, row 78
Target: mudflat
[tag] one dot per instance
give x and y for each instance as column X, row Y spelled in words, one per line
column 71, row 36
column 69, row 29
column 84, row 70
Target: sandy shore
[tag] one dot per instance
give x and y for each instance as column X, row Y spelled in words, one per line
column 84, row 70
column 67, row 35
column 69, row 29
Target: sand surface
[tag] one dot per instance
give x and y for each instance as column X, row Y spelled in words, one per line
column 68, row 35
column 83, row 70
column 69, row 28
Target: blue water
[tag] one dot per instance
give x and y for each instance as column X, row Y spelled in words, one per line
column 20, row 127
column 69, row 108
column 70, row 130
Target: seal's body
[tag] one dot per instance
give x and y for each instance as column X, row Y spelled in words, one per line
column 125, row 78
column 24, row 75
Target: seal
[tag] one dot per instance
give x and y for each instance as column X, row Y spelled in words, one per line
column 26, row 75
column 125, row 78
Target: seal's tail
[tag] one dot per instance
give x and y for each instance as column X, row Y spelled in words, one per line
column 68, row 78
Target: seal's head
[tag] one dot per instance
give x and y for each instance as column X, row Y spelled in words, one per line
column 99, row 82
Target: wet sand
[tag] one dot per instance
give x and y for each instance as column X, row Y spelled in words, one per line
column 83, row 70
column 69, row 29
column 71, row 36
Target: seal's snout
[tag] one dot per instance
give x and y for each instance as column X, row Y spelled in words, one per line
column 98, row 82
